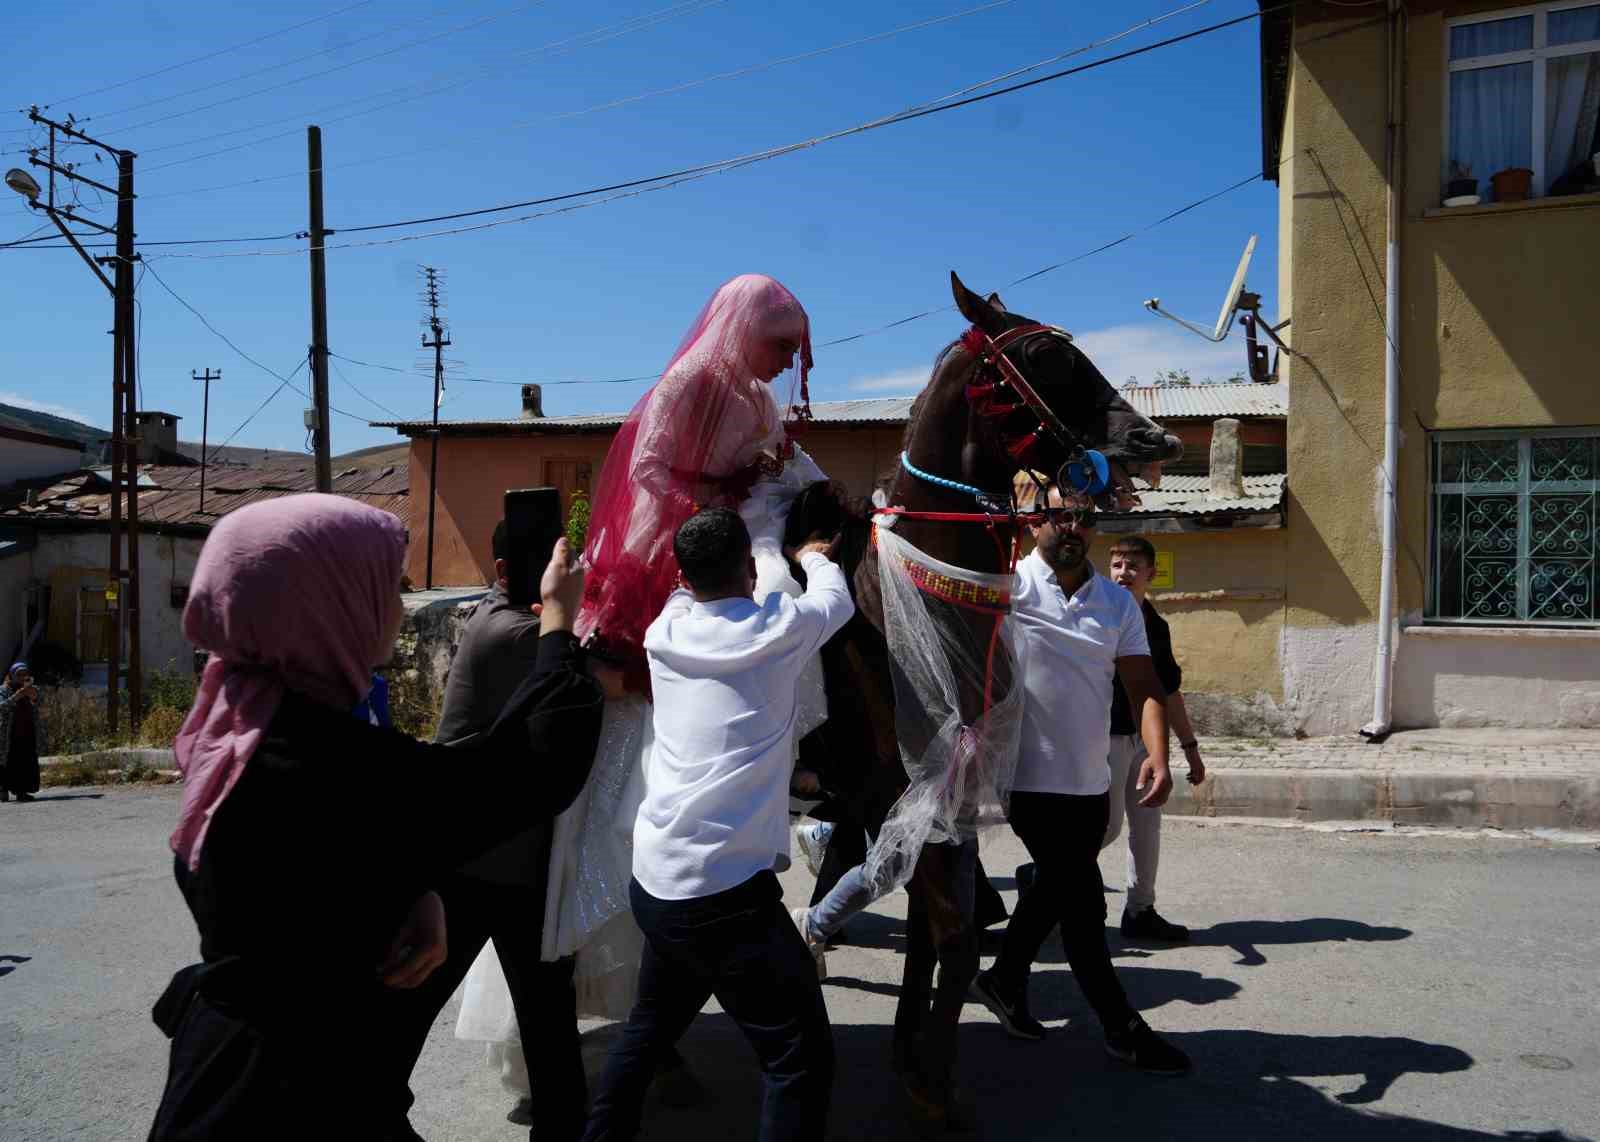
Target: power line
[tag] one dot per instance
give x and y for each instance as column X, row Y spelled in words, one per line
column 212, row 457
column 346, row 66
column 642, row 185
column 525, row 124
column 362, row 395
column 494, row 380
column 922, row 111
column 584, row 39
column 226, row 340
column 875, row 330
column 212, row 86
column 211, row 55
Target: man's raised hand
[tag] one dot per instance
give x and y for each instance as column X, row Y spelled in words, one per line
column 560, row 590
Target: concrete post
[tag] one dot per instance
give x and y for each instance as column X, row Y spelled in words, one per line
column 1227, row 461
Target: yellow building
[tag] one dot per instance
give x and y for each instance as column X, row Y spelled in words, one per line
column 1461, row 340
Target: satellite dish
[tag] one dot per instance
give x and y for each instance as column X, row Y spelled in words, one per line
column 23, row 183
column 1230, row 303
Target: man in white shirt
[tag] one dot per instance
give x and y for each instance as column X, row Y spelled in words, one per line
column 713, row 831
column 1074, row 630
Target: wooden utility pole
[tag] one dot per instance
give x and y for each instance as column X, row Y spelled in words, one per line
column 205, row 424
column 436, row 327
column 130, row 423
column 122, row 587
column 319, row 313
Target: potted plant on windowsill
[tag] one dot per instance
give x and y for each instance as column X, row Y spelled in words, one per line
column 1512, row 184
column 1462, row 187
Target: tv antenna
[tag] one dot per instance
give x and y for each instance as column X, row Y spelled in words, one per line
column 1246, row 306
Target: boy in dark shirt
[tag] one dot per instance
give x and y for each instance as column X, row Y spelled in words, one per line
column 1132, row 566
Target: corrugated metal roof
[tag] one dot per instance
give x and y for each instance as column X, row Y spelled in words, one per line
column 1187, row 495
column 169, row 496
column 879, row 410
column 1207, row 402
column 1166, row 402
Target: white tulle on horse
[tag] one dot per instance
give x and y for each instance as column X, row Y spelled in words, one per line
column 958, row 712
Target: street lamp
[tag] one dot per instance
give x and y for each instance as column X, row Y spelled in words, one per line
column 121, row 585
column 23, row 183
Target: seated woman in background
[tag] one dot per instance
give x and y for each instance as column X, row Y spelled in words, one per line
column 308, row 840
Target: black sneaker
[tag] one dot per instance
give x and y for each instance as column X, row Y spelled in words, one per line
column 1011, row 1011
column 1148, row 925
column 1138, row 1046
column 1026, row 874
column 522, row 1113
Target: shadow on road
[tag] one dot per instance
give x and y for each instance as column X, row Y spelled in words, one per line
column 9, row 964
column 1246, row 936
column 46, row 798
column 1247, row 1086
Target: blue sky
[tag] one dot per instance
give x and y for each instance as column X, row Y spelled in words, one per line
column 864, row 230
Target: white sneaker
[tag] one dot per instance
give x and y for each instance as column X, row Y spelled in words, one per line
column 813, row 837
column 819, row 951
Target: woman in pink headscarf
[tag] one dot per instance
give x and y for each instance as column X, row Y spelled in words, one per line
column 304, row 848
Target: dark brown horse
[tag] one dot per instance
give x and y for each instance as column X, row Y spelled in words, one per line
column 966, row 432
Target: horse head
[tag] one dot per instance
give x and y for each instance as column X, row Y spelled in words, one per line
column 1093, row 413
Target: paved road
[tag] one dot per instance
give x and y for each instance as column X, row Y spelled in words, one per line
column 1401, row 986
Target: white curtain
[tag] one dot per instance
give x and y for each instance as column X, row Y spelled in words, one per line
column 1572, row 101
column 1491, row 120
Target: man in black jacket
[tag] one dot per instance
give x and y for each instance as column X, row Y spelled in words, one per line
column 1132, row 566
column 500, row 896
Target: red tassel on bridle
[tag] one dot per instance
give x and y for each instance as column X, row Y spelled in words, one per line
column 1021, row 450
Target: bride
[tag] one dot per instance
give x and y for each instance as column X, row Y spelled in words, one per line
column 712, row 432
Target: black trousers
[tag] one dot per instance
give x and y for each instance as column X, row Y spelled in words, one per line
column 477, row 911
column 741, row 947
column 1062, row 834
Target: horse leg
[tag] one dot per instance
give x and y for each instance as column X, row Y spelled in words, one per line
column 939, row 929
column 916, row 980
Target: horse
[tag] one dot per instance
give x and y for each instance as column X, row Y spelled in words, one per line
column 1010, row 394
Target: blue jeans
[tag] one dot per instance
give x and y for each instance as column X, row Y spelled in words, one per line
column 741, row 947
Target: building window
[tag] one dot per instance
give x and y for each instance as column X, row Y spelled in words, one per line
column 1514, row 527
column 1525, row 95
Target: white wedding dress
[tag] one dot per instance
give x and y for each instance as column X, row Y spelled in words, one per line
column 591, row 852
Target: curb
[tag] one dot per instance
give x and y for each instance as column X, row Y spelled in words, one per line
column 1484, row 798
column 161, row 759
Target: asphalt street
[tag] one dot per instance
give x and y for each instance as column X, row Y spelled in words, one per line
column 1395, row 986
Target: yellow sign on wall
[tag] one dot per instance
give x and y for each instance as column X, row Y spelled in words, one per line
column 1163, row 577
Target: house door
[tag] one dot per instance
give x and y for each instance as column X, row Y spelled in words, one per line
column 95, row 619
column 568, row 476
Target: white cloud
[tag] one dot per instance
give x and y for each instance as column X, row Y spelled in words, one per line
column 1139, row 349
column 900, row 382
column 21, row 401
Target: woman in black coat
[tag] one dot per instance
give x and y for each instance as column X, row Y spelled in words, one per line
column 309, row 840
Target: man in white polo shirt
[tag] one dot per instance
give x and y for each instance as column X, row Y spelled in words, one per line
column 713, row 831
column 1074, row 630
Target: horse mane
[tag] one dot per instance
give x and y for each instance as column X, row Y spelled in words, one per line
column 819, row 510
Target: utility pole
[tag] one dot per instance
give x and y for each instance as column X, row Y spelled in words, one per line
column 122, row 587
column 319, row 313
column 205, row 423
column 430, row 296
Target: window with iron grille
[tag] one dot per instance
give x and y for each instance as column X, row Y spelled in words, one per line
column 1513, row 525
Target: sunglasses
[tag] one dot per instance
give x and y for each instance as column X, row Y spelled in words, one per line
column 1065, row 517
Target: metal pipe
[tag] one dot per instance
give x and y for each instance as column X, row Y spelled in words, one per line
column 1383, row 668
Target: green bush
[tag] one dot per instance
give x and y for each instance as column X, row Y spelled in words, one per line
column 160, row 726
column 414, row 710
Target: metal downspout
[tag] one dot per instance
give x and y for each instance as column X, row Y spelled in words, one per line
column 1383, row 668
